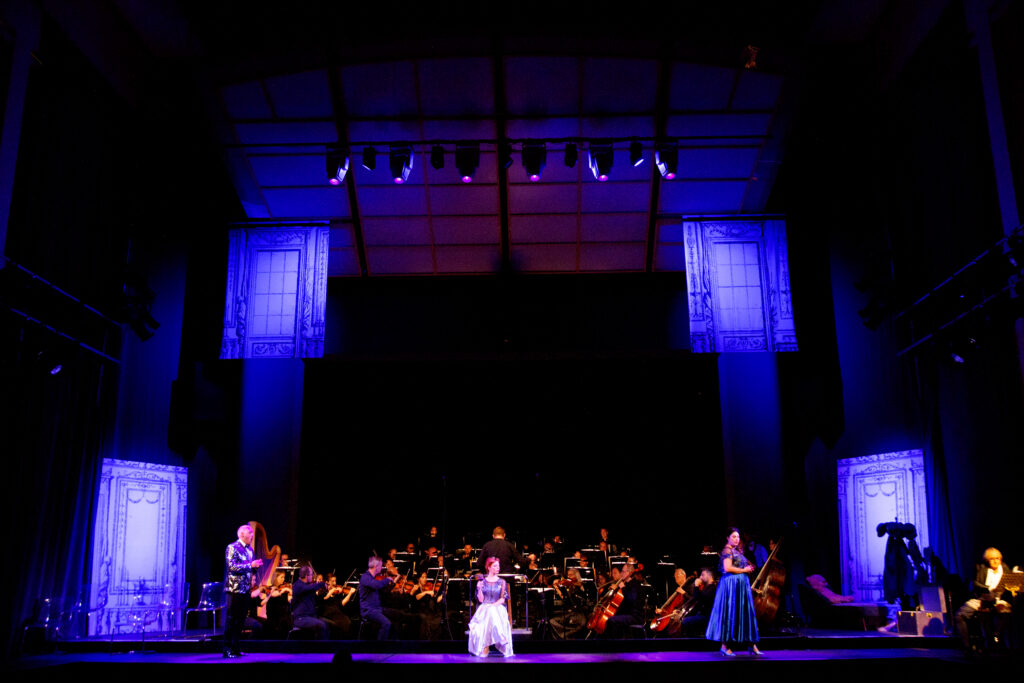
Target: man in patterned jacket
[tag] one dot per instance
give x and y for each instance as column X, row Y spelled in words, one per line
column 238, row 579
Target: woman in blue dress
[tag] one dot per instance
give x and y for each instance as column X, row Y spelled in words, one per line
column 733, row 620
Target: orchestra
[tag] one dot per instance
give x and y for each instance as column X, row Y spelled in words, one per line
column 599, row 590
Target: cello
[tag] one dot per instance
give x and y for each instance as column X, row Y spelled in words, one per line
column 767, row 587
column 608, row 605
column 678, row 606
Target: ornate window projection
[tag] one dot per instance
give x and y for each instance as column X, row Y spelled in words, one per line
column 138, row 554
column 873, row 489
column 737, row 281
column 276, row 293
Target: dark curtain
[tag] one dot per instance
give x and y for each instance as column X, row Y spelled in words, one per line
column 56, row 426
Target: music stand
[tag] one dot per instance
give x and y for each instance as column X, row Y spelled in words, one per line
column 1012, row 582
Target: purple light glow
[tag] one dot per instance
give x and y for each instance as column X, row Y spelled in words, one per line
column 602, row 177
column 467, row 179
column 534, row 178
column 670, row 176
column 399, row 181
column 334, row 181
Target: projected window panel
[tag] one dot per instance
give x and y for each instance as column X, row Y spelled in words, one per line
column 738, row 269
column 737, row 282
column 274, row 293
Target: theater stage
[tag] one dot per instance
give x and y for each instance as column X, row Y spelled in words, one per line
column 826, row 655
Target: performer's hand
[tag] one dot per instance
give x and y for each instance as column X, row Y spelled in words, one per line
column 256, row 563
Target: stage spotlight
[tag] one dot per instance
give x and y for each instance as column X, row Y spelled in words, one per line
column 636, row 153
column 337, row 166
column 467, row 158
column 369, row 158
column 400, row 161
column 601, row 156
column 535, row 158
column 666, row 158
column 437, row 157
column 506, row 156
column 572, row 153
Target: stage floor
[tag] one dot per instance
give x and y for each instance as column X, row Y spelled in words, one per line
column 827, row 655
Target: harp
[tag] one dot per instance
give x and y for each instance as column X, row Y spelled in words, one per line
column 271, row 556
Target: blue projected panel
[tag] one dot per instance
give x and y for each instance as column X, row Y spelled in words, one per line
column 138, row 553
column 737, row 281
column 276, row 292
column 874, row 489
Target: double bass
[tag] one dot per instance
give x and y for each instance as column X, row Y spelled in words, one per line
column 767, row 587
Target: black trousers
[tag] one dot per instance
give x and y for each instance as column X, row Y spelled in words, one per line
column 236, row 609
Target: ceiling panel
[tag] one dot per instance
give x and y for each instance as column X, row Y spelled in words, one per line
column 400, row 260
column 606, row 257
column 384, row 131
column 396, row 231
column 544, row 228
column 702, row 197
column 278, row 170
column 555, row 127
column 341, row 236
column 616, row 227
column 286, row 133
column 694, row 86
column 468, row 259
column 307, row 202
column 456, row 87
column 544, row 258
column 721, row 125
column 463, row 199
column 246, row 101
column 302, row 95
column 342, row 263
column 717, row 163
column 542, row 198
column 384, row 89
column 392, row 200
column 615, row 86
column 542, row 86
column 611, row 197
column 466, row 229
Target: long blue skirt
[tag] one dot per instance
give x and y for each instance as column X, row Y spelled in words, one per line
column 733, row 619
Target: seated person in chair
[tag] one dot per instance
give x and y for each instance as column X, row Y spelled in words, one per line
column 986, row 593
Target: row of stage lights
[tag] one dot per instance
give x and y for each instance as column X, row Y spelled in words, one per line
column 534, row 159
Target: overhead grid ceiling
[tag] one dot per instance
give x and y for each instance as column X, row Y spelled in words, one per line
column 725, row 120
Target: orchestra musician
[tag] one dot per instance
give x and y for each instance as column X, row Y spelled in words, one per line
column 370, row 588
column 238, row 584
column 733, row 619
column 427, row 604
column 304, row 604
column 631, row 609
column 702, row 597
column 332, row 602
column 503, row 550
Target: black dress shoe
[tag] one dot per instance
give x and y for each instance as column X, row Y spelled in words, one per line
column 229, row 654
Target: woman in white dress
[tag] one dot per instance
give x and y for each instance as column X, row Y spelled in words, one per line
column 492, row 622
